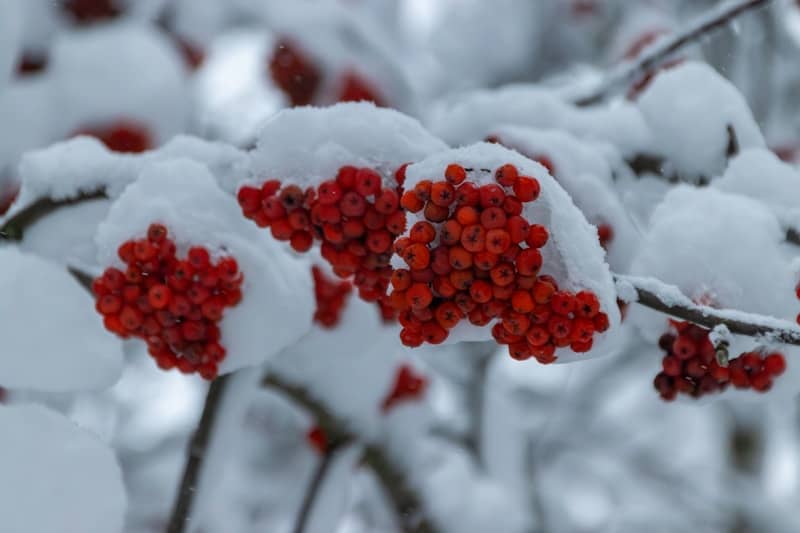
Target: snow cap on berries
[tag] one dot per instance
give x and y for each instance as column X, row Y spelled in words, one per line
column 277, row 304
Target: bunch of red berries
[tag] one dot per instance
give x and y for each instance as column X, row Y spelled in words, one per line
column 331, row 297
column 356, row 89
column 408, row 385
column 294, row 73
column 89, row 11
column 175, row 305
column 123, row 136
column 690, row 366
column 354, row 215
column 475, row 256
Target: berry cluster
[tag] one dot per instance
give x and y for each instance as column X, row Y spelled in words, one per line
column 123, row 136
column 174, row 304
column 690, row 366
column 89, row 11
column 331, row 297
column 408, row 385
column 354, row 215
column 605, row 234
column 475, row 256
column 357, row 89
column 294, row 73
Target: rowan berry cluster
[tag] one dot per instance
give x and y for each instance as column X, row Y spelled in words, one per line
column 89, row 11
column 476, row 257
column 408, row 385
column 123, row 136
column 174, row 304
column 354, row 215
column 331, row 296
column 294, row 73
column 690, row 366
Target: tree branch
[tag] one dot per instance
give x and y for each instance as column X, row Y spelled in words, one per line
column 669, row 300
column 655, row 55
column 314, row 487
column 14, row 228
column 196, row 455
column 405, row 501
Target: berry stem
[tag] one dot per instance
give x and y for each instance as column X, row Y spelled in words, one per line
column 14, row 228
column 653, row 56
column 406, row 502
column 669, row 300
column 181, row 511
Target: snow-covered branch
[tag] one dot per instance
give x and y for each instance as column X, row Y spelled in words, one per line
column 405, row 500
column 14, row 228
column 655, row 55
column 669, row 300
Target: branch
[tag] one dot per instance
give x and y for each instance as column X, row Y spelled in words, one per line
column 196, row 454
column 405, row 501
column 14, row 228
column 304, row 513
column 655, row 55
column 670, row 300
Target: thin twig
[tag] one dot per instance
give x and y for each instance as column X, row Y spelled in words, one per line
column 314, row 488
column 669, row 300
column 655, row 55
column 404, row 499
column 196, row 455
column 14, row 228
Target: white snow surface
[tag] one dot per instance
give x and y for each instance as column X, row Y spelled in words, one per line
column 572, row 255
column 717, row 245
column 688, row 109
column 759, row 174
column 470, row 117
column 182, row 194
column 56, row 477
column 119, row 70
column 307, row 145
column 585, row 169
column 10, row 37
column 53, row 339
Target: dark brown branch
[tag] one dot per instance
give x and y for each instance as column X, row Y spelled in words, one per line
column 198, row 445
column 404, row 499
column 654, row 56
column 14, row 228
column 314, row 487
column 82, row 277
column 753, row 325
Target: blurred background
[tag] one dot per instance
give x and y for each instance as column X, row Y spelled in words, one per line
column 579, row 448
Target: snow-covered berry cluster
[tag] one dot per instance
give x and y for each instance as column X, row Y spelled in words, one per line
column 690, row 366
column 408, row 385
column 354, row 215
column 476, row 257
column 124, row 136
column 331, row 296
column 174, row 304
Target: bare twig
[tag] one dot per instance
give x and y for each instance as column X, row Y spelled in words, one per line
column 669, row 300
column 196, row 454
column 404, row 499
column 655, row 55
column 14, row 228
column 314, row 487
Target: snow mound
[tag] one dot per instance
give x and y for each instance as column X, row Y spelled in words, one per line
column 119, row 71
column 760, row 175
column 469, row 117
column 689, row 109
column 718, row 248
column 572, row 255
column 307, row 145
column 585, row 169
column 74, row 352
column 10, row 37
column 182, row 194
column 56, row 476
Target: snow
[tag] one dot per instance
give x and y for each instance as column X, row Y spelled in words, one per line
column 10, row 38
column 56, row 477
column 183, row 195
column 586, row 170
column 118, row 70
column 53, row 339
column 715, row 246
column 759, row 174
column 572, row 255
column 469, row 117
column 307, row 145
column 690, row 128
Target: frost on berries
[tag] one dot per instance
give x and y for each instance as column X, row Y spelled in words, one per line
column 690, row 366
column 480, row 252
column 173, row 303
